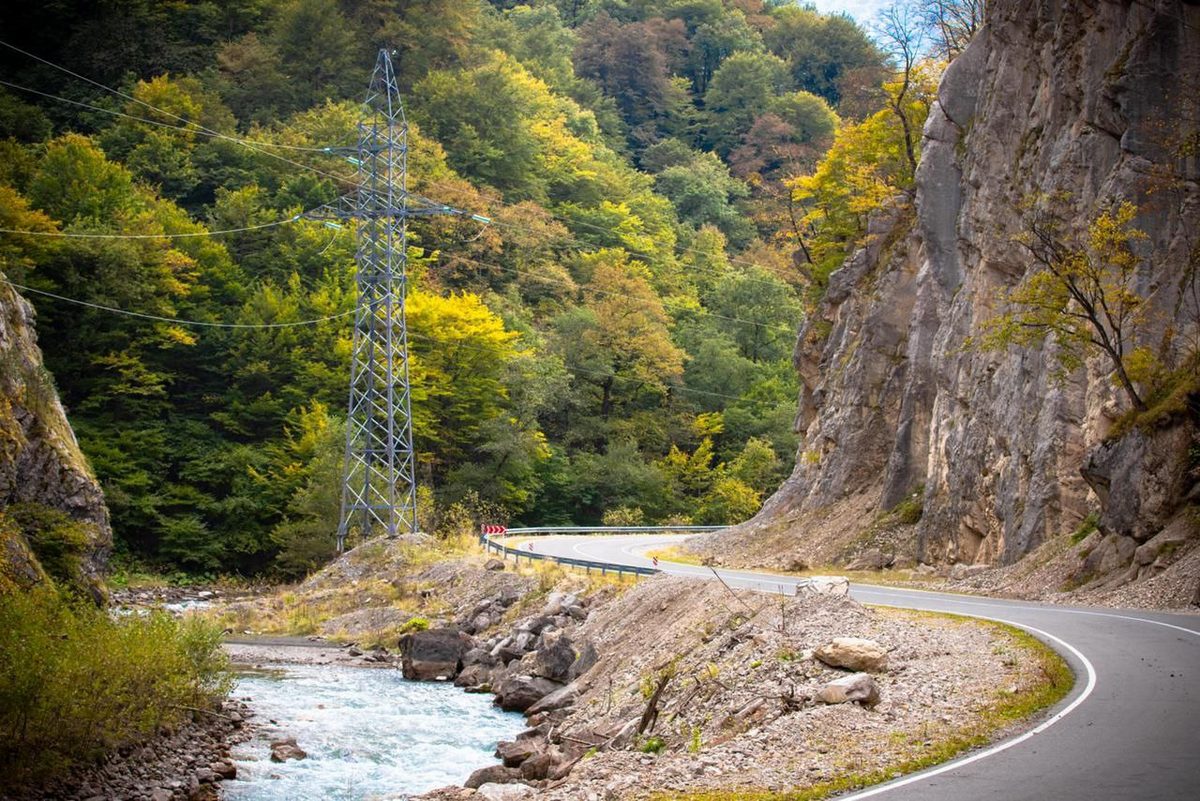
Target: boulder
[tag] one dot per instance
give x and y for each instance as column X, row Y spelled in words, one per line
column 559, row 699
column 285, row 749
column 479, row 656
column 493, row 564
column 853, row 653
column 473, row 676
column 225, row 769
column 535, row 625
column 872, row 559
column 554, row 660
column 518, row 693
column 513, row 753
column 584, row 662
column 505, row 792
column 960, row 571
column 435, row 654
column 540, row 766
column 858, row 687
column 492, row 774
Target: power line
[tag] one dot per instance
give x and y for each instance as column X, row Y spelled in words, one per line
column 317, row 321
column 199, row 131
column 642, row 254
column 243, row 142
column 198, row 127
column 666, row 304
column 602, row 374
column 73, row 235
column 253, row 146
column 172, row 320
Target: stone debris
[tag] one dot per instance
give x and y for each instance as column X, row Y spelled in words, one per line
column 186, row 764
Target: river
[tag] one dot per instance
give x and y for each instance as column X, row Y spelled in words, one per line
column 369, row 734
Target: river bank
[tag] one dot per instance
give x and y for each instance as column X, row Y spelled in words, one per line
column 679, row 685
column 186, row 763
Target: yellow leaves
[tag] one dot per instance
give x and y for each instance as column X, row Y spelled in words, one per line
column 171, row 96
column 1111, row 237
column 177, row 335
column 20, row 253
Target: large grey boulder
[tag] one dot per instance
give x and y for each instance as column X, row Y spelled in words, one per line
column 434, row 655
column 505, row 792
column 285, row 749
column 853, row 653
column 474, row 676
column 584, row 662
column 513, row 753
column 492, row 774
column 559, row 699
column 519, row 693
column 858, row 687
column 554, row 660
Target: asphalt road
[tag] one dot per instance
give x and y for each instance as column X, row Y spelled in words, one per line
column 1130, row 728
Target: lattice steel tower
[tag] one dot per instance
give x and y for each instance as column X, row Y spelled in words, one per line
column 379, row 493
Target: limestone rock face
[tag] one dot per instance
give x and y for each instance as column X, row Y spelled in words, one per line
column 40, row 459
column 1003, row 451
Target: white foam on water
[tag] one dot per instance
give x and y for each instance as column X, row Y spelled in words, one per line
column 369, row 734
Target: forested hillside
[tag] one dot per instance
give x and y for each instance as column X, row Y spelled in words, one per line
column 670, row 184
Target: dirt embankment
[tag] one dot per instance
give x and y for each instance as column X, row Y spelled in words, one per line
column 675, row 684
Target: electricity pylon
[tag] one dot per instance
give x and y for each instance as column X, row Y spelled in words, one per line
column 379, row 492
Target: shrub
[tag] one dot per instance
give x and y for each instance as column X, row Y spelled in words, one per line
column 1086, row 527
column 76, row 684
column 58, row 541
column 415, row 624
column 652, row 745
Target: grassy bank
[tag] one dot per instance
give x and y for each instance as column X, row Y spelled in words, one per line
column 76, row 683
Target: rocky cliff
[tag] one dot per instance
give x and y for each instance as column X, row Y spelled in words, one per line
column 48, row 496
column 1089, row 102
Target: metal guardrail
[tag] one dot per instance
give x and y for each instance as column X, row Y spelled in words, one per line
column 586, row 564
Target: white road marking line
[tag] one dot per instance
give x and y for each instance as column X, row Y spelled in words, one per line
column 946, row 767
column 953, row 599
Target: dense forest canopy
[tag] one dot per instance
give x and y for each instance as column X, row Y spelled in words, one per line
column 671, row 181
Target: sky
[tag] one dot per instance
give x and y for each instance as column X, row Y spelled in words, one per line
column 863, row 11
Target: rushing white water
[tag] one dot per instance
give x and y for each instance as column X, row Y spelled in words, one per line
column 369, row 734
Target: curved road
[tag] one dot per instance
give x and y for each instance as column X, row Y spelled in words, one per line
column 1130, row 728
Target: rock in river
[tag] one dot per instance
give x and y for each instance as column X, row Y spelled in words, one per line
column 283, row 750
column 435, row 654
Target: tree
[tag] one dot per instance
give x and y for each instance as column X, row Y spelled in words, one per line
column 630, row 62
column 703, row 192
column 952, row 24
column 618, row 342
column 867, row 166
column 821, row 50
column 729, row 502
column 900, row 29
column 1081, row 292
column 741, row 90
